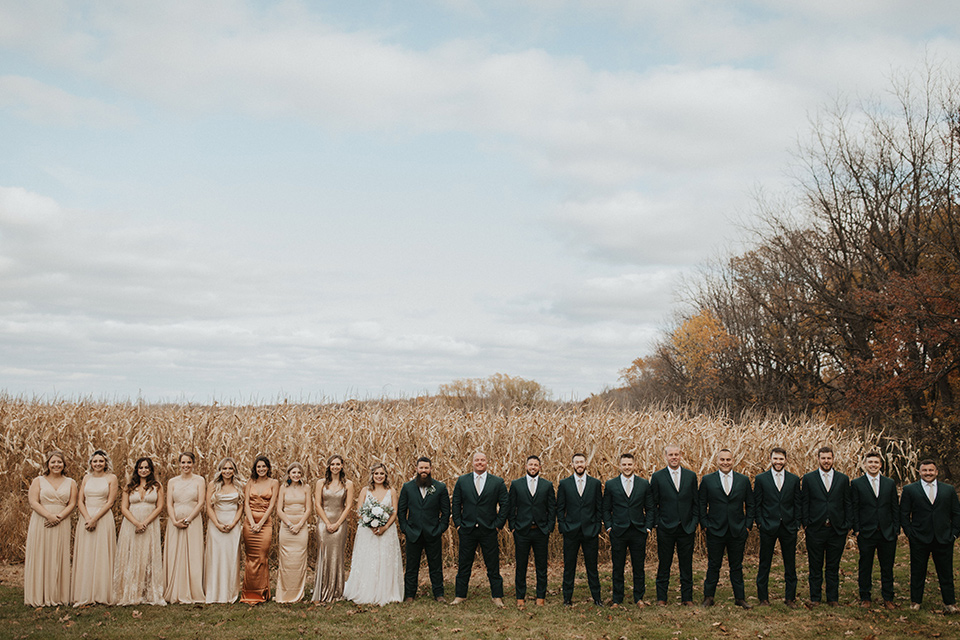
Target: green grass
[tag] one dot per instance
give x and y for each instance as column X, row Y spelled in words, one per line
column 477, row 618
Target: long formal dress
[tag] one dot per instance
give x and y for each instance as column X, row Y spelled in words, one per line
column 138, row 578
column 183, row 551
column 328, row 585
column 292, row 573
column 256, row 547
column 94, row 551
column 376, row 569
column 221, row 576
column 46, row 567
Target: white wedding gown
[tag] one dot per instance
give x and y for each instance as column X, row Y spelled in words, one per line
column 376, row 569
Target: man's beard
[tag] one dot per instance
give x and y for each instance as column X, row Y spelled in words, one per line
column 424, row 481
column 533, row 475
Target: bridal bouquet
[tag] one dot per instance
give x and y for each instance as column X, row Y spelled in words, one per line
column 373, row 514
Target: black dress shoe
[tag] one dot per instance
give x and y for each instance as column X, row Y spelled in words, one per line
column 763, row 603
column 598, row 603
column 743, row 604
column 567, row 603
column 708, row 602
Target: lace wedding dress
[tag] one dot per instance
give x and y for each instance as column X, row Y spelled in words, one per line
column 376, row 569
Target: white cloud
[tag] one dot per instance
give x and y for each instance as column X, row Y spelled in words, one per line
column 40, row 103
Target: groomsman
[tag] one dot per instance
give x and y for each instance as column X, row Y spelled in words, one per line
column 726, row 515
column 480, row 501
column 532, row 513
column 676, row 505
column 628, row 518
column 423, row 513
column 777, row 508
column 824, row 496
column 579, row 519
column 930, row 516
column 875, row 518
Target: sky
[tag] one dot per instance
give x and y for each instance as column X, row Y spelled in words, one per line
column 246, row 201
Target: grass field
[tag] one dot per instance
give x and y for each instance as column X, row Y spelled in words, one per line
column 477, row 618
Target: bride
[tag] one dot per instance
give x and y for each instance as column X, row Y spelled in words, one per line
column 376, row 571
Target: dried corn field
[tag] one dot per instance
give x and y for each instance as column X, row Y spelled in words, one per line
column 395, row 432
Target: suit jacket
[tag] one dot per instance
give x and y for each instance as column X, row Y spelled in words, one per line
column 773, row 508
column 576, row 513
column 675, row 511
column 423, row 515
column 525, row 510
column 721, row 514
column 819, row 505
column 927, row 522
column 621, row 512
column 870, row 513
column 488, row 510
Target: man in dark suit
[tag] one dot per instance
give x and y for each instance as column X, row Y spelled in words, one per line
column 875, row 518
column 777, row 513
column 726, row 515
column 531, row 514
column 676, row 505
column 930, row 516
column 423, row 513
column 480, row 501
column 579, row 519
column 628, row 518
column 823, row 498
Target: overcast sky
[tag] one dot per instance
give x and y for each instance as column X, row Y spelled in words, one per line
column 244, row 201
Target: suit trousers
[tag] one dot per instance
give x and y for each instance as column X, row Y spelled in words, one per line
column 825, row 547
column 886, row 552
column 535, row 540
column 733, row 546
column 788, row 549
column 433, row 547
column 489, row 545
column 634, row 540
column 572, row 544
column 667, row 541
column 920, row 553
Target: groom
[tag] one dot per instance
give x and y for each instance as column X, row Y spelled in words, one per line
column 423, row 514
column 479, row 509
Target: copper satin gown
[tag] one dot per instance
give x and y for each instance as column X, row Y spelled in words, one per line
column 256, row 546
column 328, row 585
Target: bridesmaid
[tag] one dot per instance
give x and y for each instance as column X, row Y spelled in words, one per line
column 46, row 568
column 259, row 500
column 333, row 499
column 138, row 578
column 183, row 553
column 221, row 576
column 294, row 508
column 95, row 542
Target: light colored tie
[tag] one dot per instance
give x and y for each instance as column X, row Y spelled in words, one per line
column 778, row 479
column 826, row 481
column 931, row 495
column 726, row 483
column 580, row 483
column 876, row 489
column 532, row 485
column 676, row 479
column 478, row 483
column 629, row 486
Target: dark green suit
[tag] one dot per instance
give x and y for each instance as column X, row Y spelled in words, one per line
column 531, row 518
column 423, row 519
column 825, row 519
column 876, row 521
column 777, row 514
column 628, row 519
column 676, row 515
column 931, row 530
column 477, row 518
column 579, row 519
column 726, row 519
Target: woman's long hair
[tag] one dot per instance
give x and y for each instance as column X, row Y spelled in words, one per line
column 386, row 480
column 135, row 478
column 328, row 478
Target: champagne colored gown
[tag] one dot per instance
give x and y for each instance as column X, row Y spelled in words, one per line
column 328, row 585
column 221, row 578
column 183, row 552
column 94, row 551
column 292, row 574
column 256, row 546
column 46, row 567
column 138, row 578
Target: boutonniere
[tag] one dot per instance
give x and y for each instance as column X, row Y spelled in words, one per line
column 431, row 490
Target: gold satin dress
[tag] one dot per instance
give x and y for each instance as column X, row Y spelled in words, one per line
column 256, row 547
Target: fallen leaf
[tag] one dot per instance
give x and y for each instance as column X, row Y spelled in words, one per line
column 136, row 614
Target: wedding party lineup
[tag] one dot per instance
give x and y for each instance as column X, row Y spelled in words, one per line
column 92, row 563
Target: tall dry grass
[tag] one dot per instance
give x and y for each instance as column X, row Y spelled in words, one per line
column 395, row 433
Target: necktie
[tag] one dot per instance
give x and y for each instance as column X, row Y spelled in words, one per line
column 532, row 485
column 629, row 486
column 778, row 478
column 726, row 483
column 826, row 481
column 478, row 483
column 676, row 479
column 580, row 486
column 931, row 495
column 876, row 489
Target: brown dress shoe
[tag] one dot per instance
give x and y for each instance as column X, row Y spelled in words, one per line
column 743, row 604
column 708, row 602
column 521, row 603
column 889, row 604
column 457, row 600
column 866, row 604
column 661, row 603
column 641, row 604
column 408, row 599
column 441, row 600
column 791, row 604
column 914, row 606
column 541, row 602
column 950, row 609
column 763, row 603
column 833, row 603
column 687, row 603
column 498, row 602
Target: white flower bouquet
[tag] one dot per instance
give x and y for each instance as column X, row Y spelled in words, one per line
column 373, row 514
